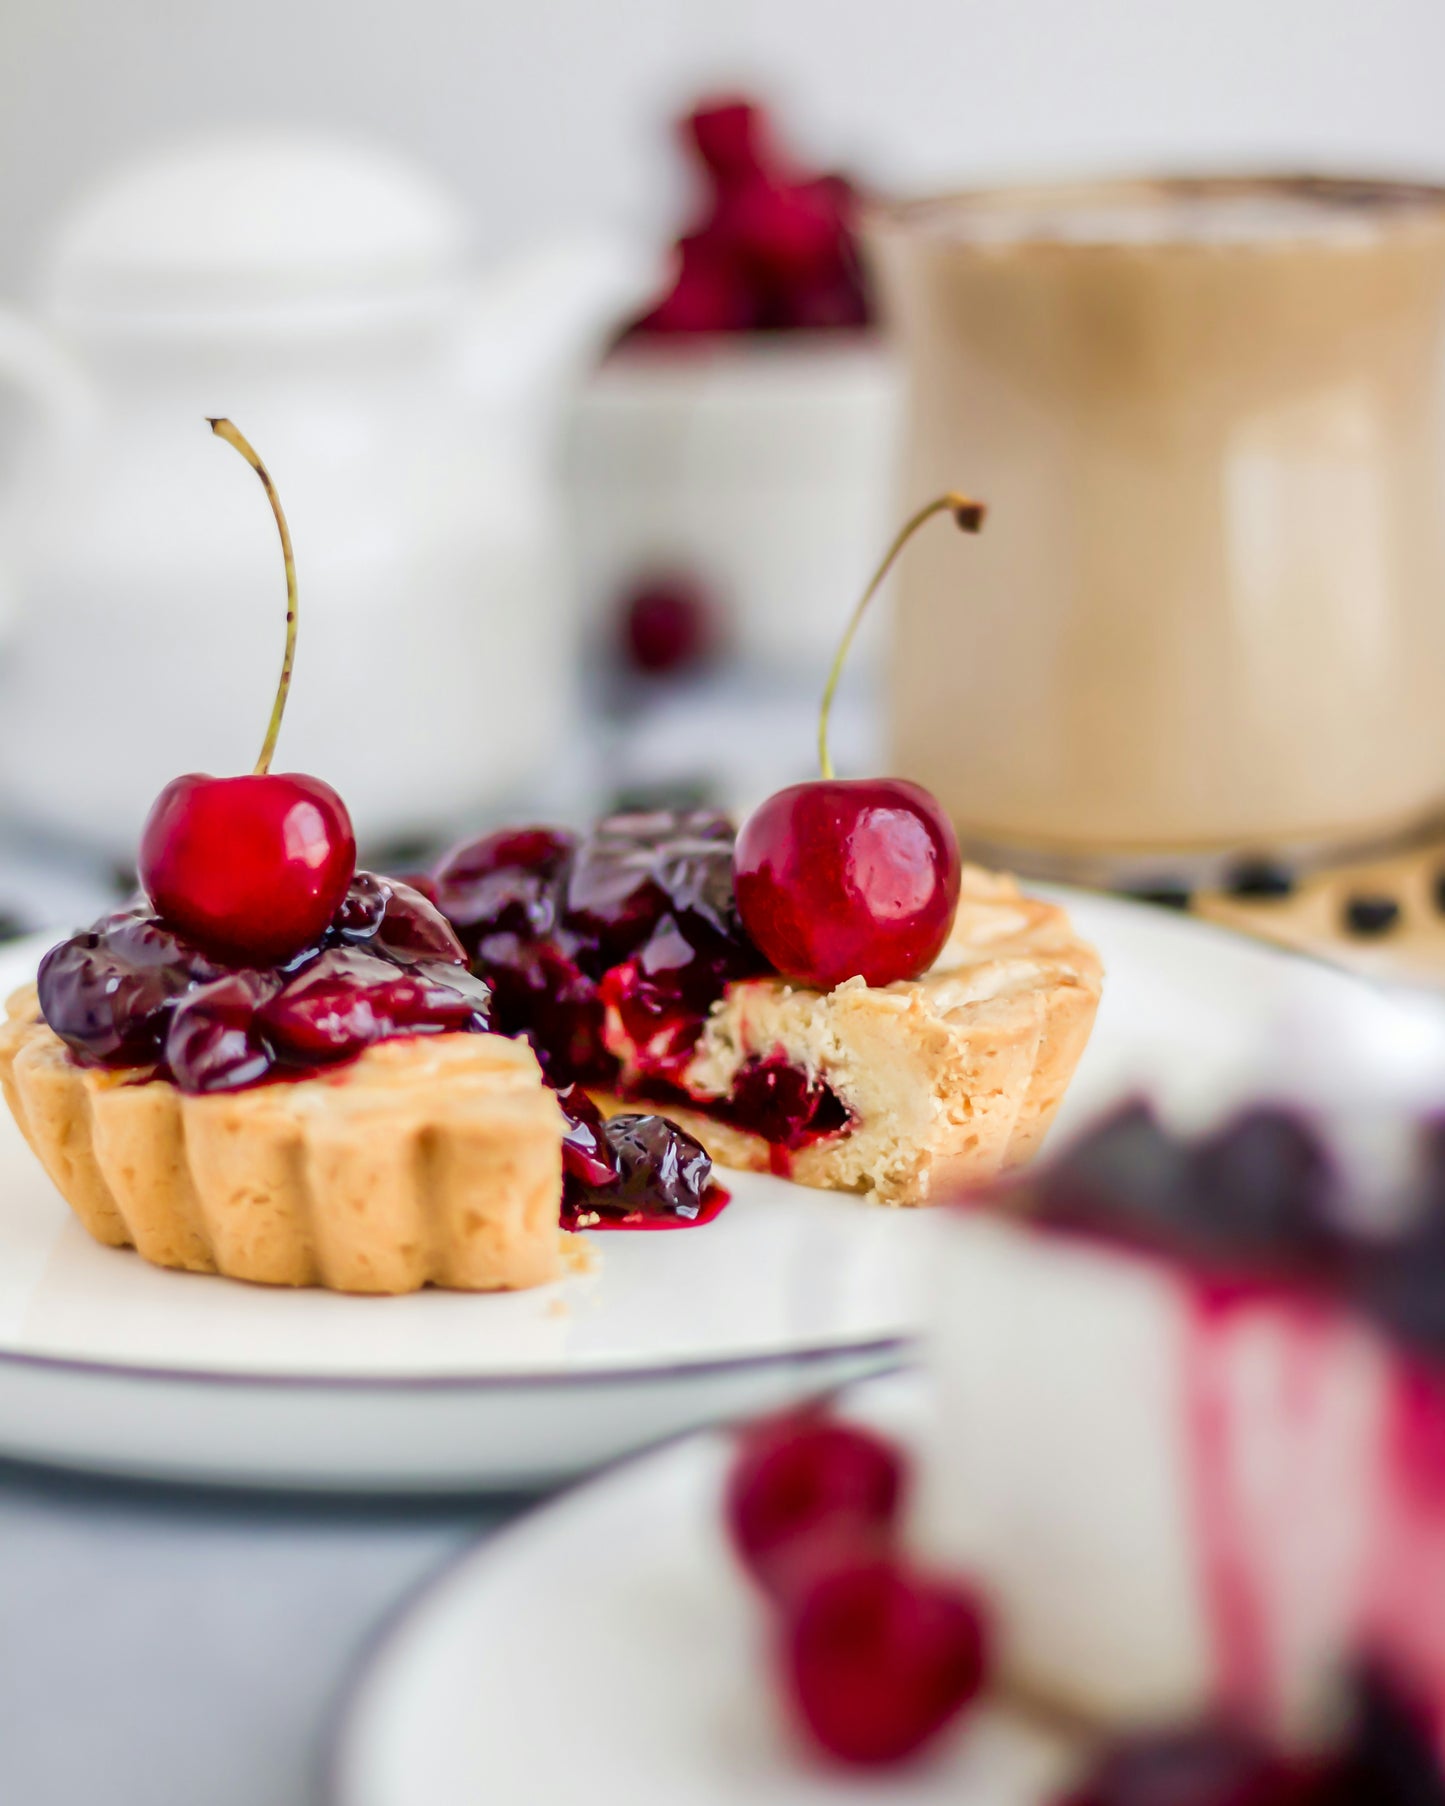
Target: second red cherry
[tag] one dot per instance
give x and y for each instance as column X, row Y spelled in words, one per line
column 844, row 878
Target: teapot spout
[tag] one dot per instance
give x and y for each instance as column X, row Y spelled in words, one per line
column 542, row 319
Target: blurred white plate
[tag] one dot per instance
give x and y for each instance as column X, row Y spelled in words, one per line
column 110, row 1364
column 573, row 1658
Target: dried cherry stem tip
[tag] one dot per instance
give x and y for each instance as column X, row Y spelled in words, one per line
column 968, row 515
column 223, row 429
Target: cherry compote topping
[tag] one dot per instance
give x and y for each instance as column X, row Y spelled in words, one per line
column 620, row 943
column 131, row 992
column 546, row 916
column 782, row 1103
column 1259, row 1199
column 634, row 1172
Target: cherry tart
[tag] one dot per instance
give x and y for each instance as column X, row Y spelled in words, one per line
column 345, row 1119
column 433, row 1160
column 281, row 1068
column 622, row 957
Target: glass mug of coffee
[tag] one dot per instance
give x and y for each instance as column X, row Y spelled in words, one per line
column 1207, row 614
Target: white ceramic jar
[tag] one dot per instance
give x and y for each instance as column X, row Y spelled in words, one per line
column 761, row 466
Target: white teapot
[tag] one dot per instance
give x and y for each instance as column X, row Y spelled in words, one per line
column 318, row 293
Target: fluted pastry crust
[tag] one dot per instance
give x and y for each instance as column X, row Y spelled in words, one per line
column 950, row 1078
column 429, row 1160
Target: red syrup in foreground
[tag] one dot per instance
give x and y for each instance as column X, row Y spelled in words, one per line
column 1348, row 1535
column 1312, row 1388
column 1286, row 1389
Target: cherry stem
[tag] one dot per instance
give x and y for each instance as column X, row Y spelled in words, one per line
column 968, row 514
column 224, row 430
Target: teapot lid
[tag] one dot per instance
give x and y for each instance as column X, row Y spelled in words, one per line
column 253, row 221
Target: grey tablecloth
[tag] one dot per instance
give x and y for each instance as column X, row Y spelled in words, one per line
column 170, row 1647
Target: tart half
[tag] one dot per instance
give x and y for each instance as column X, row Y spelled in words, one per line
column 425, row 1160
column 916, row 1086
column 622, row 958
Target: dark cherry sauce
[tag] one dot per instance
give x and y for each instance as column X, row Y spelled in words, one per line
column 130, row 992
column 782, row 1103
column 632, row 1172
column 608, row 953
column 771, row 1098
column 638, row 915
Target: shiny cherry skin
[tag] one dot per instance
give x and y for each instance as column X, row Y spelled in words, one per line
column 252, row 869
column 844, row 878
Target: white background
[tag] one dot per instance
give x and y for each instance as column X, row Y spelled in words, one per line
column 547, row 113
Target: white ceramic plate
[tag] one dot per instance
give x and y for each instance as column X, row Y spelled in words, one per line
column 110, row 1364
column 575, row 1659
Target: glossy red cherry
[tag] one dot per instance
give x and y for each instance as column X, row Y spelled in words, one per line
column 804, row 1482
column 878, row 1658
column 846, row 878
column 251, row 868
